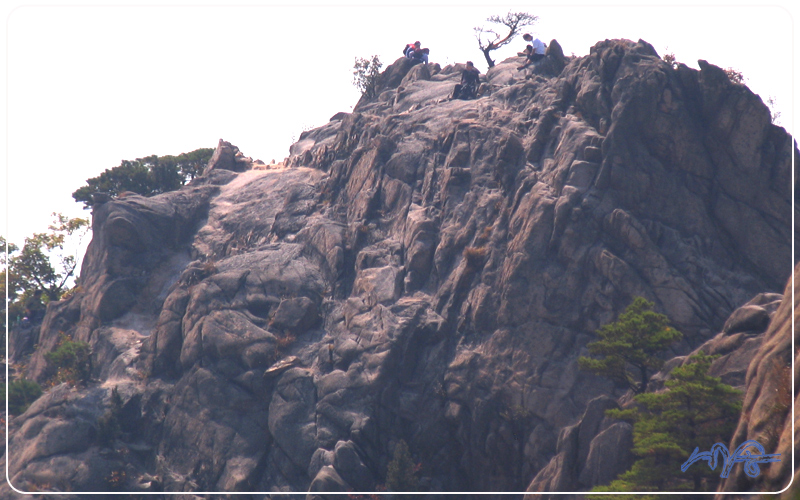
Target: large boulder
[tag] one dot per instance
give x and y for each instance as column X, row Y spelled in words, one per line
column 227, row 157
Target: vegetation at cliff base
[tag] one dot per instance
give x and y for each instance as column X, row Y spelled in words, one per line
column 4, row 249
column 695, row 410
column 401, row 471
column 629, row 346
column 146, row 176
column 47, row 262
column 21, row 393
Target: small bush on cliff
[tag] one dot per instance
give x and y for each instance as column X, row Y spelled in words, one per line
column 734, row 75
column 21, row 393
column 630, row 344
column 108, row 425
column 774, row 114
column 146, row 176
column 401, row 471
column 69, row 362
column 116, row 480
column 695, row 410
column 366, row 74
column 475, row 256
column 670, row 59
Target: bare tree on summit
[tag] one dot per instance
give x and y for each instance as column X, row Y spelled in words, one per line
column 489, row 39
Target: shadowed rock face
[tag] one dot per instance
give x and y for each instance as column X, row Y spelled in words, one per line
column 767, row 408
column 425, row 270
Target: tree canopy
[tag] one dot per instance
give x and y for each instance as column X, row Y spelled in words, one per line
column 47, row 261
column 146, row 176
column 630, row 345
column 401, row 471
column 490, row 38
column 695, row 410
column 4, row 293
column 366, row 73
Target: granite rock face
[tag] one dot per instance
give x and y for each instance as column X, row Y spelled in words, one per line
column 739, row 356
column 767, row 409
column 425, row 270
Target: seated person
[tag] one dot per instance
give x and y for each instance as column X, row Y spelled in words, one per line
column 416, row 52
column 411, row 47
column 420, row 55
column 537, row 53
column 468, row 88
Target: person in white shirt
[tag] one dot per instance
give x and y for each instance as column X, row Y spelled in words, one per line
column 536, row 52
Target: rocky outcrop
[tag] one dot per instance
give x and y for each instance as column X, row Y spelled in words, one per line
column 228, row 157
column 767, row 410
column 425, row 270
column 592, row 452
column 740, row 349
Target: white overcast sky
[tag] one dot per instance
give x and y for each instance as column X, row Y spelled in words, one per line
column 88, row 86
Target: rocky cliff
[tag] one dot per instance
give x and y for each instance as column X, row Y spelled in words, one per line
column 423, row 270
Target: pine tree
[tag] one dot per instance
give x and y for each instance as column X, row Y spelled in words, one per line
column 630, row 345
column 146, row 176
column 401, row 471
column 695, row 410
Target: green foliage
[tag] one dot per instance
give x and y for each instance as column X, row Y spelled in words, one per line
column 109, row 426
column 146, row 176
column 69, row 362
column 630, row 344
column 489, row 39
column 366, row 76
column 6, row 293
column 47, row 262
column 695, row 410
column 401, row 471
column 21, row 393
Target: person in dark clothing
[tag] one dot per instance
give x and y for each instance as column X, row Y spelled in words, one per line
column 420, row 55
column 415, row 52
column 411, row 47
column 468, row 88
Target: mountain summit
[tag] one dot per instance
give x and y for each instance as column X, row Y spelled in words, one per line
column 422, row 274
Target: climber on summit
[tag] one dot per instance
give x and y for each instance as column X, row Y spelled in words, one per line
column 468, row 88
column 410, row 47
column 421, row 55
column 416, row 52
column 536, row 52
